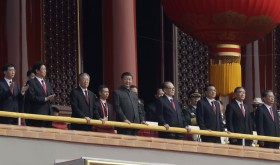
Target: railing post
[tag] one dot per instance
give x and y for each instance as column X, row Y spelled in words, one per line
column 19, row 121
column 243, row 142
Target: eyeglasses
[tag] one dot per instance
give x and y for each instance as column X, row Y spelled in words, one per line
column 170, row 88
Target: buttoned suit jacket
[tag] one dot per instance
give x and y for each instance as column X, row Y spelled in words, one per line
column 266, row 126
column 81, row 109
column 207, row 119
column 100, row 112
column 236, row 122
column 8, row 101
column 125, row 103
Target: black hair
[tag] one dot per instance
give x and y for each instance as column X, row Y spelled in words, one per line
column 207, row 86
column 29, row 72
column 265, row 93
column 237, row 88
column 126, row 74
column 101, row 87
column 37, row 66
column 6, row 67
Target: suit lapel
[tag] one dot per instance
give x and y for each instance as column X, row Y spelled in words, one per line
column 208, row 105
column 238, row 109
column 5, row 83
column 39, row 86
column 169, row 103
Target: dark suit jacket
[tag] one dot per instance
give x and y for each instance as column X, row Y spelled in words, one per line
column 266, row 126
column 100, row 112
column 9, row 102
column 36, row 101
column 207, row 119
column 36, row 97
column 151, row 112
column 81, row 109
column 125, row 103
column 168, row 115
column 236, row 122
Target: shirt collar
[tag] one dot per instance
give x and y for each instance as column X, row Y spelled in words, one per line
column 267, row 106
column 210, row 101
column 238, row 102
column 84, row 89
column 39, row 79
column 8, row 81
column 169, row 98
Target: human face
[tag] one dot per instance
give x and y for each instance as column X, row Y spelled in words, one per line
column 240, row 94
column 31, row 76
column 194, row 100
column 127, row 81
column 84, row 82
column 269, row 99
column 169, row 90
column 134, row 90
column 42, row 72
column 211, row 92
column 104, row 94
column 10, row 73
column 159, row 93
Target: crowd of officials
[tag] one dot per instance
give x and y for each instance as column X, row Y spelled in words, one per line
column 36, row 97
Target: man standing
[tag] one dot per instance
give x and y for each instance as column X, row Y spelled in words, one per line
column 208, row 114
column 238, row 119
column 105, row 109
column 83, row 105
column 125, row 103
column 190, row 112
column 10, row 94
column 40, row 95
column 267, row 121
column 151, row 110
column 169, row 112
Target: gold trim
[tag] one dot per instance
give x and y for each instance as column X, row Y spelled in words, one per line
column 101, row 162
column 228, row 46
column 228, row 54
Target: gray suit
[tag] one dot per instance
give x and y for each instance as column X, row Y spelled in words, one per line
column 125, row 103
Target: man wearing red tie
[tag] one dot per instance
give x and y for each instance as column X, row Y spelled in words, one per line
column 208, row 114
column 10, row 94
column 238, row 117
column 83, row 105
column 40, row 95
column 169, row 112
column 104, row 108
column 267, row 121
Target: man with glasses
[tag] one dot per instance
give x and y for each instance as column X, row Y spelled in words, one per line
column 169, row 112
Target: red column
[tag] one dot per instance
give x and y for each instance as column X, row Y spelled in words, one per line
column 16, row 19
column 119, row 41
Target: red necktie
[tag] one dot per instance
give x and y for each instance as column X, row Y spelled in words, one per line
column 271, row 113
column 173, row 105
column 44, row 86
column 12, row 88
column 213, row 106
column 86, row 95
column 242, row 110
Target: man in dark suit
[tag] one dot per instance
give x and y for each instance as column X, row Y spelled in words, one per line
column 151, row 110
column 83, row 105
column 40, row 95
column 267, row 121
column 105, row 109
column 169, row 112
column 125, row 103
column 208, row 114
column 238, row 119
column 10, row 94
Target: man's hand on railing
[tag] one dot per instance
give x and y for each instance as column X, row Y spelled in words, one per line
column 188, row 128
column 104, row 120
column 166, row 126
column 87, row 119
column 127, row 121
column 144, row 122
